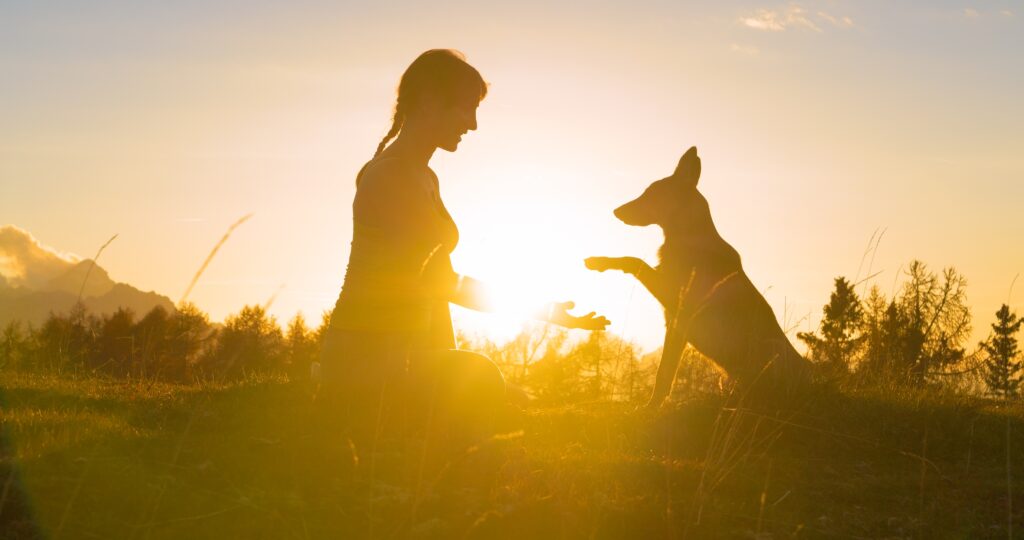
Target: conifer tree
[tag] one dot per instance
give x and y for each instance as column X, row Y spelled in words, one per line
column 301, row 347
column 840, row 329
column 1003, row 365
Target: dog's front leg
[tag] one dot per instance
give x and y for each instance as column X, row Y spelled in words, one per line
column 671, row 353
column 647, row 276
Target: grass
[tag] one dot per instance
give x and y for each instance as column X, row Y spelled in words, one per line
column 96, row 458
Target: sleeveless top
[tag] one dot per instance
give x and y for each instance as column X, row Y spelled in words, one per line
column 399, row 278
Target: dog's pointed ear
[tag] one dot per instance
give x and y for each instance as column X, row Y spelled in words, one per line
column 688, row 169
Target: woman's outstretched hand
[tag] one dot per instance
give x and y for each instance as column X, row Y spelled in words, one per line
column 558, row 313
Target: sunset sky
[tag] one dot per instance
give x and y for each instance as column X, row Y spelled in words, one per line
column 818, row 123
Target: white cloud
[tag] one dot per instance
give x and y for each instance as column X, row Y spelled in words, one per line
column 764, row 20
column 840, row 22
column 974, row 14
column 747, row 50
column 792, row 16
column 26, row 262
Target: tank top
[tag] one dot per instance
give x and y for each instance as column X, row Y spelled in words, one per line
column 399, row 277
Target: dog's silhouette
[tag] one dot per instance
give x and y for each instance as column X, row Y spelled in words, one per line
column 709, row 302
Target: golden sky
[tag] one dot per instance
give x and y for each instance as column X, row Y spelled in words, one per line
column 818, row 123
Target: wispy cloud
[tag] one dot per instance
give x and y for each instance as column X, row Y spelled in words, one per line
column 973, row 13
column 837, row 21
column 746, row 50
column 778, row 20
column 793, row 16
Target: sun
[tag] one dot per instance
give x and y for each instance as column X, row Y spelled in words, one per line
column 519, row 282
column 516, row 295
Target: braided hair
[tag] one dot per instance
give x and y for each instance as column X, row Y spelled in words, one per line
column 437, row 72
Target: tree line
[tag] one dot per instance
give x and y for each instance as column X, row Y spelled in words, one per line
column 917, row 337
column 182, row 345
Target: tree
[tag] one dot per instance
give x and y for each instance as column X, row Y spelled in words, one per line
column 921, row 331
column 189, row 330
column 301, row 346
column 13, row 345
column 1003, row 363
column 152, row 333
column 518, row 354
column 67, row 341
column 249, row 342
column 115, row 343
column 325, row 324
column 875, row 358
column 624, row 377
column 591, row 355
column 841, row 326
column 938, row 320
column 557, row 376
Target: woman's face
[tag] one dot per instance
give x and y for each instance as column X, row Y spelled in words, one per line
column 450, row 121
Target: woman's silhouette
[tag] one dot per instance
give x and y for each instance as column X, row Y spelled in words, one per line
column 389, row 355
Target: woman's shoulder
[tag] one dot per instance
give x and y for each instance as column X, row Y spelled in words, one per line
column 379, row 169
column 388, row 187
column 390, row 171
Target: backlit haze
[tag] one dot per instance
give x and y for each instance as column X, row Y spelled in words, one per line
column 818, row 123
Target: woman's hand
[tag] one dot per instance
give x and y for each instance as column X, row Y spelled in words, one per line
column 558, row 313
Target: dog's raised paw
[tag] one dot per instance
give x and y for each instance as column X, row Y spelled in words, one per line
column 599, row 263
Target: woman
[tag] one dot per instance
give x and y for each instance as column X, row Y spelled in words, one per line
column 389, row 353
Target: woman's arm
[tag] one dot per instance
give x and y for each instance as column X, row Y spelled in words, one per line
column 473, row 294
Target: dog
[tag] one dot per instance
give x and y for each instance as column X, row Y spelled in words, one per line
column 709, row 301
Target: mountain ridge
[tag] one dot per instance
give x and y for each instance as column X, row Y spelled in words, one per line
column 33, row 291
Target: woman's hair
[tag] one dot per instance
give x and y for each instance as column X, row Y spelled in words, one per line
column 438, row 72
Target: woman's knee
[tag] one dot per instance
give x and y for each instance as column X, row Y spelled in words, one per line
column 480, row 368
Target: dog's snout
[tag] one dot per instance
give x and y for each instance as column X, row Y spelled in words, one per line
column 633, row 213
column 618, row 212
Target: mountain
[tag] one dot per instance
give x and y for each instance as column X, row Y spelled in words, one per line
column 98, row 284
column 34, row 306
column 30, row 290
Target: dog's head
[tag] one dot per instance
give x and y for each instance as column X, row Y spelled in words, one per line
column 673, row 200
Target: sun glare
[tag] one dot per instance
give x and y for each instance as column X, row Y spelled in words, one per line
column 519, row 279
column 516, row 296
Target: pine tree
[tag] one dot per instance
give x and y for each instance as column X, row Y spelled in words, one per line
column 875, row 361
column 840, row 329
column 1003, row 365
column 301, row 346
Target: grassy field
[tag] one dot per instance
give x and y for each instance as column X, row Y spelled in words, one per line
column 101, row 458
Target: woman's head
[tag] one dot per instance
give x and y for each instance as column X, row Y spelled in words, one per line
column 439, row 93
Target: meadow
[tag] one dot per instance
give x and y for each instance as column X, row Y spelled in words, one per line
column 105, row 457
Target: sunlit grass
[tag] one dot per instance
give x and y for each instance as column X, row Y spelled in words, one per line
column 105, row 458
